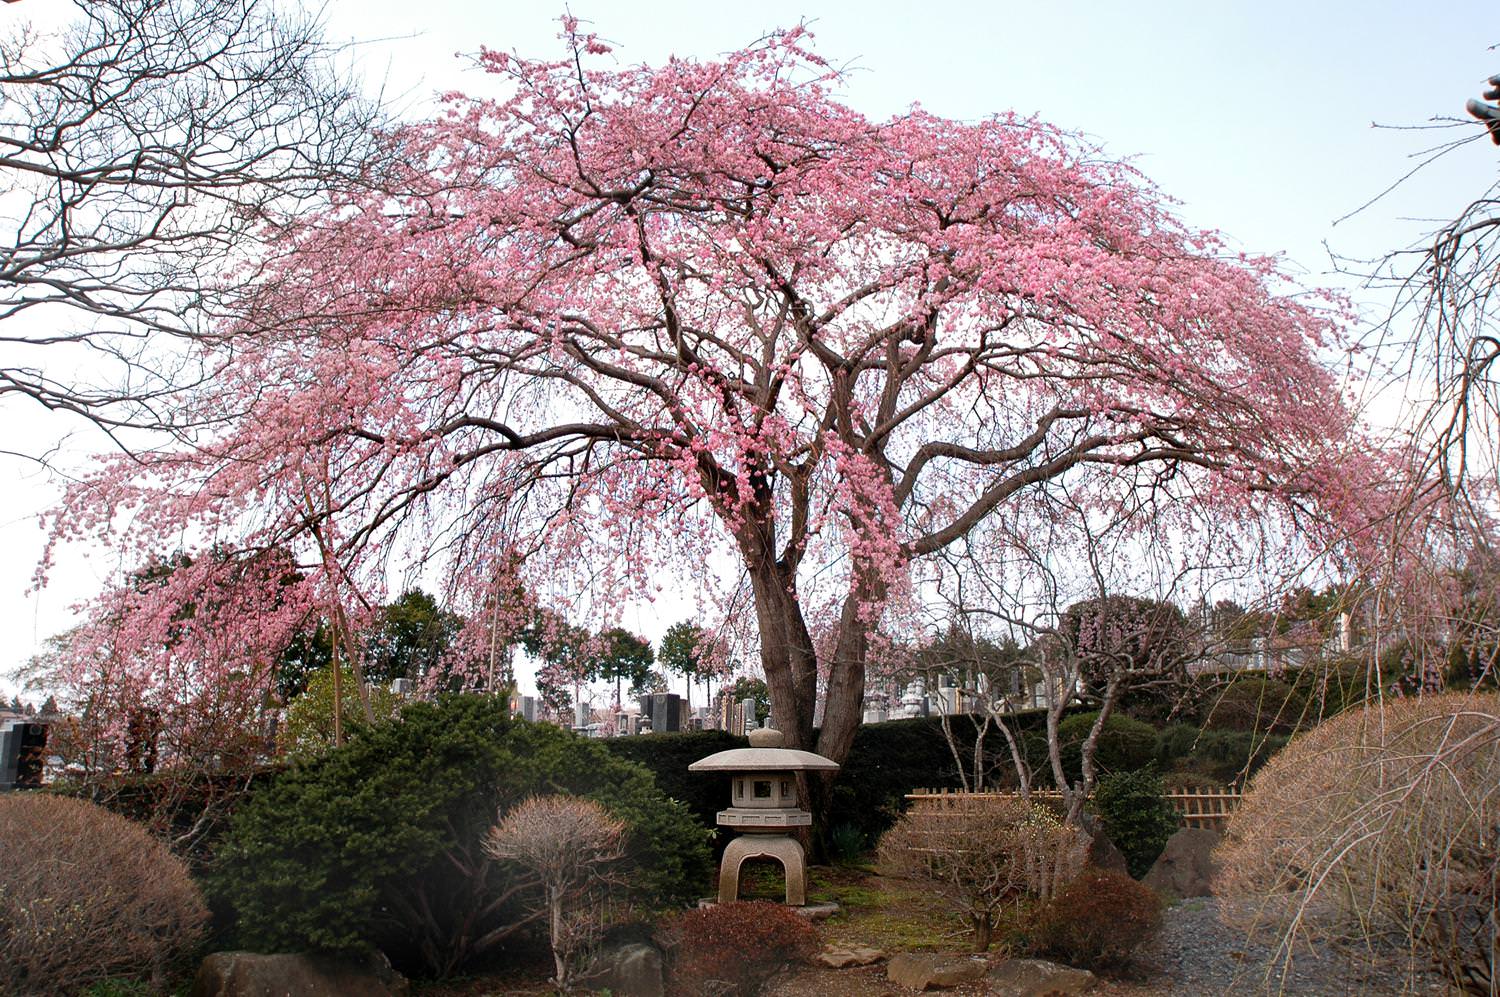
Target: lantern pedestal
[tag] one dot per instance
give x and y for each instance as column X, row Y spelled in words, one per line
column 787, row 851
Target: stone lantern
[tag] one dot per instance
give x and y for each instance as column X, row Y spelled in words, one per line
column 763, row 805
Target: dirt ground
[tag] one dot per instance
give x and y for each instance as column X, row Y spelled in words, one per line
column 891, row 915
column 888, row 914
column 1195, row 954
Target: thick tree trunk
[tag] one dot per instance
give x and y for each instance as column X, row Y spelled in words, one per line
column 555, row 909
column 844, row 707
column 791, row 669
column 984, row 931
column 786, row 653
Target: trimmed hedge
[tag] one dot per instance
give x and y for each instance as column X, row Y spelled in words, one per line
column 1311, row 694
column 1258, row 703
column 887, row 761
column 1224, row 756
column 667, row 757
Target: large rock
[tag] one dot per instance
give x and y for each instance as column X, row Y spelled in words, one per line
column 928, row 970
column 630, row 970
column 844, row 956
column 1102, row 853
column 1186, row 867
column 1037, row 978
column 250, row 974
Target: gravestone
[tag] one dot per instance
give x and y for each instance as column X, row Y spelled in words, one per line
column 664, row 710
column 10, row 749
column 23, row 754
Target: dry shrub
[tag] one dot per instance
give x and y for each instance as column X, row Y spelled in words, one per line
column 985, row 855
column 1099, row 919
column 86, row 894
column 570, row 844
column 1378, row 829
column 734, row 948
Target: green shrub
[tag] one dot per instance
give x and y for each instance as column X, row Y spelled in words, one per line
column 1099, row 920
column 85, row 895
column 1238, row 755
column 1257, row 703
column 1174, row 742
column 1214, row 757
column 1136, row 816
column 379, row 842
column 1124, row 745
column 309, row 719
column 847, row 844
column 734, row 948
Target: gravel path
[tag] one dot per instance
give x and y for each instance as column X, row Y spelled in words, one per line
column 1198, row 954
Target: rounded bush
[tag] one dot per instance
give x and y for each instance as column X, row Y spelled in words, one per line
column 379, row 843
column 734, row 948
column 1099, row 920
column 1260, row 704
column 1125, row 744
column 1377, row 830
column 86, row 895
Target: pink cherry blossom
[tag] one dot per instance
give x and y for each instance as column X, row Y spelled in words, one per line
column 703, row 324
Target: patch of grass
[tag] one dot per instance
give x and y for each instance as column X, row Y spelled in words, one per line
column 118, row 987
column 897, row 930
column 847, row 886
column 889, row 914
column 852, row 899
column 121, row 986
column 762, row 879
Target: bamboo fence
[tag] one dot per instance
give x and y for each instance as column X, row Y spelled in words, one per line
column 1207, row 808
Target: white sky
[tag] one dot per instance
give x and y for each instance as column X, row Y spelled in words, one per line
column 1257, row 117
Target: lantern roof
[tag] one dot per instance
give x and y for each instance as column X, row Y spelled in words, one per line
column 765, row 754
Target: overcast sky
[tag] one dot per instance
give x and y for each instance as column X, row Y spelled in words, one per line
column 1257, row 117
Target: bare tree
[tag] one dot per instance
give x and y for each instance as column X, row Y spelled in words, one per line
column 146, row 149
column 1445, row 294
column 1439, row 350
column 1086, row 645
column 988, row 855
column 570, row 844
